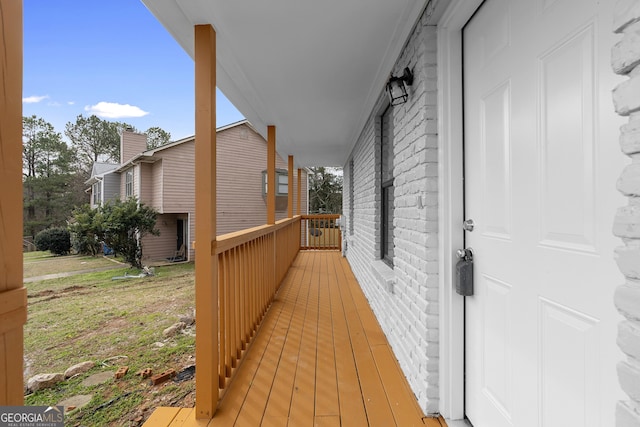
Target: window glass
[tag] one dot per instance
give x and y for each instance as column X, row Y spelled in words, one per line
column 282, row 183
column 97, row 193
column 386, row 184
column 129, row 183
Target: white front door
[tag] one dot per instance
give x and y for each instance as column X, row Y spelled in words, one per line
column 541, row 163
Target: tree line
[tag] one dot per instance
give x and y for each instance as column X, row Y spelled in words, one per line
column 325, row 190
column 54, row 171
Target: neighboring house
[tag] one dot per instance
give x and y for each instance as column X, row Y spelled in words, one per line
column 164, row 178
column 104, row 184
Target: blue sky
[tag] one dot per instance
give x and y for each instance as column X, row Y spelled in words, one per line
column 109, row 58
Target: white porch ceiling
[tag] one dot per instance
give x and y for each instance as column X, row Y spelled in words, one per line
column 312, row 68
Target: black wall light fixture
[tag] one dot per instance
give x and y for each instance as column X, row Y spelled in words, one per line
column 396, row 87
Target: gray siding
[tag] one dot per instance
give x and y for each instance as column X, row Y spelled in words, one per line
column 111, row 187
column 241, row 157
column 158, row 186
column 162, row 246
column 168, row 185
column 146, row 184
column 178, row 178
column 172, row 192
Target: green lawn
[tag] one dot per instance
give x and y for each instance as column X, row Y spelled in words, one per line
column 92, row 317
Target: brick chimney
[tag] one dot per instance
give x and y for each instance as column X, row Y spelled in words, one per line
column 131, row 144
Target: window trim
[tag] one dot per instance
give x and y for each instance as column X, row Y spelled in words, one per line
column 385, row 187
column 97, row 193
column 280, row 173
column 351, row 197
column 128, row 183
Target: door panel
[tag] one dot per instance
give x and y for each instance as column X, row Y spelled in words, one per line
column 496, row 161
column 567, row 137
column 568, row 397
column 540, row 171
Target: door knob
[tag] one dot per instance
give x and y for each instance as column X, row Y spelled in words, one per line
column 468, row 225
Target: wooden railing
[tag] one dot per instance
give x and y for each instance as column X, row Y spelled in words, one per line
column 320, row 232
column 251, row 265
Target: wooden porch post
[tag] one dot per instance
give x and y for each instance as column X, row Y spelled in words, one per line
column 206, row 259
column 13, row 295
column 271, row 175
column 290, row 186
column 299, row 190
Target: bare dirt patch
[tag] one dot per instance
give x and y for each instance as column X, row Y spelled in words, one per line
column 50, row 292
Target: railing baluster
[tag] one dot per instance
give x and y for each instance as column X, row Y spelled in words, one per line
column 252, row 263
column 239, row 331
column 221, row 321
column 230, row 314
column 320, row 232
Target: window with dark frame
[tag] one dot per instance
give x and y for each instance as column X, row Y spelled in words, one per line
column 386, row 184
column 282, row 188
column 351, row 198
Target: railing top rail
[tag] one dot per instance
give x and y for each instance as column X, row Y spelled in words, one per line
column 321, row 216
column 237, row 238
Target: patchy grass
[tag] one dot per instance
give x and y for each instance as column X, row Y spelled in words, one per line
column 92, row 317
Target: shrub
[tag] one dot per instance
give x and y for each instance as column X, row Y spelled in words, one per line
column 55, row 240
column 86, row 230
column 124, row 225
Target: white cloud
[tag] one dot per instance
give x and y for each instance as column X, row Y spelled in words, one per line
column 113, row 110
column 71, row 102
column 34, row 99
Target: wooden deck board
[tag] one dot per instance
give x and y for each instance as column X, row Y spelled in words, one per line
column 303, row 399
column 278, row 408
column 244, row 404
column 319, row 358
column 182, row 417
column 352, row 409
column 326, row 380
column 162, row 417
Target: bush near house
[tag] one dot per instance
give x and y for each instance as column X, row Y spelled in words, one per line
column 124, row 225
column 120, row 225
column 86, row 230
column 56, row 240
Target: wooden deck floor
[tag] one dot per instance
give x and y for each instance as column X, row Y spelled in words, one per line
column 319, row 359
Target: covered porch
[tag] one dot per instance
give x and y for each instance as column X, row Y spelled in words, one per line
column 318, row 357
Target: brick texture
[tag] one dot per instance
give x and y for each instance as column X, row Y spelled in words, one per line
column 405, row 298
column 625, row 60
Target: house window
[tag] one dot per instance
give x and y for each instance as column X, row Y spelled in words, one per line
column 351, row 198
column 97, row 193
column 386, row 184
column 128, row 184
column 282, row 183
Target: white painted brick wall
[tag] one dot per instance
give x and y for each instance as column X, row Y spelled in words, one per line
column 404, row 299
column 625, row 59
